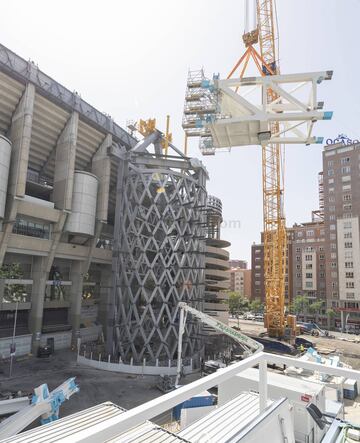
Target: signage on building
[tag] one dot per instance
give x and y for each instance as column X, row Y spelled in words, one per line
column 341, row 138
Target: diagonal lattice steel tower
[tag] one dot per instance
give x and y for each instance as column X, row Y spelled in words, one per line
column 159, row 253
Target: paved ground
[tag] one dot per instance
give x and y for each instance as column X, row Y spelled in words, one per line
column 95, row 386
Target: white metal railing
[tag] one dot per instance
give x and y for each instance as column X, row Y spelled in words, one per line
column 155, row 407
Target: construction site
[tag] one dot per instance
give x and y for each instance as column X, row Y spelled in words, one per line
column 115, row 316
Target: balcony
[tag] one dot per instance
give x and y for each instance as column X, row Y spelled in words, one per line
column 31, row 229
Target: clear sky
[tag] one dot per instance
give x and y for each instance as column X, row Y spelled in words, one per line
column 130, row 59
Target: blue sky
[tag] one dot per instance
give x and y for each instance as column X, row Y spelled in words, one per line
column 130, row 60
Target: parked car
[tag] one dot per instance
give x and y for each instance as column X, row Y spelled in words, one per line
column 249, row 316
column 259, row 317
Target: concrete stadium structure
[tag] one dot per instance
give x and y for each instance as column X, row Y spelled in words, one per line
column 56, row 225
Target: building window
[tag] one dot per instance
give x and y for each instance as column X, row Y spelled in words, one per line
column 298, row 258
column 333, row 284
column 309, row 284
column 333, row 264
column 347, row 207
column 348, row 244
column 300, row 234
column 331, row 198
column 257, row 291
column 322, row 256
column 257, row 251
column 257, row 267
column 322, row 266
column 310, row 233
column 347, row 225
column 332, row 236
column 350, row 295
column 348, row 235
column 345, row 160
column 349, row 275
column 298, row 250
column 334, row 294
column 334, row 275
column 322, row 274
column 333, row 255
column 331, row 181
column 332, row 227
column 308, row 257
column 298, row 275
column 346, row 169
column 298, row 267
column 346, row 187
column 349, row 264
column 257, row 283
column 308, row 266
column 31, row 228
column 348, row 254
column 332, row 217
column 347, row 197
column 308, row 275
column 330, row 172
column 347, row 215
column 346, row 178
column 331, row 190
column 350, row 285
column 330, row 163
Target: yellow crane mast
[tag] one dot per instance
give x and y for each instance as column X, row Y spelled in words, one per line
column 273, row 189
column 272, row 171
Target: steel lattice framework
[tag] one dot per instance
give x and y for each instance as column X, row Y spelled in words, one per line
column 159, row 255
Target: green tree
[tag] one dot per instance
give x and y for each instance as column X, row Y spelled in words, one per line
column 256, row 306
column 12, row 292
column 300, row 305
column 237, row 302
column 315, row 308
column 330, row 317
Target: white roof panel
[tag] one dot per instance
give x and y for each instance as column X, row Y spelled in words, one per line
column 225, row 422
column 80, row 426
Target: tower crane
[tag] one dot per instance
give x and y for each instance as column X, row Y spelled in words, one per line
column 224, row 113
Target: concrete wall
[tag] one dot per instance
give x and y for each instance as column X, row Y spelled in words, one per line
column 23, row 345
column 62, row 340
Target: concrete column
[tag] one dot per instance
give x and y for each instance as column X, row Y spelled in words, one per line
column 20, row 136
column 65, row 164
column 77, row 279
column 41, row 270
column 342, row 316
column 101, row 167
column 39, row 275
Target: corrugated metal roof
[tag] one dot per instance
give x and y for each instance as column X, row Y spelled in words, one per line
column 77, row 427
column 223, row 424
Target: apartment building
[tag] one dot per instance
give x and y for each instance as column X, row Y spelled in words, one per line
column 240, row 264
column 240, row 281
column 341, row 194
column 308, row 265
